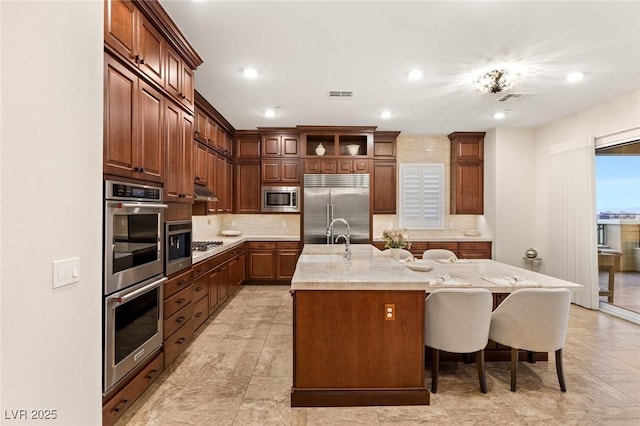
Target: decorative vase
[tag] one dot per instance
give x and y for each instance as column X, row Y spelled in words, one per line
column 320, row 149
column 395, row 253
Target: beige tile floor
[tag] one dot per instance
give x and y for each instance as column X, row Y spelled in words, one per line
column 238, row 371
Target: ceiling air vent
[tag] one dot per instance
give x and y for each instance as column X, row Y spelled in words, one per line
column 341, row 94
column 515, row 97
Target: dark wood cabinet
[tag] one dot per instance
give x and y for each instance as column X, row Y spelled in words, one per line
column 280, row 171
column 179, row 155
column 384, row 187
column 352, row 166
column 247, row 189
column 279, row 146
column 336, row 141
column 384, row 144
column 320, row 166
column 247, row 146
column 467, row 172
column 474, row 250
column 179, row 79
column 270, row 261
column 462, row 249
column 201, row 164
column 133, row 121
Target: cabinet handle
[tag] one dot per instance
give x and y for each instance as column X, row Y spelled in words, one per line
column 136, row 169
column 198, row 178
column 180, row 301
column 179, row 320
column 181, row 282
column 142, row 61
column 151, row 373
column 120, row 406
column 198, row 288
column 198, row 315
column 181, row 340
column 141, row 169
column 136, row 58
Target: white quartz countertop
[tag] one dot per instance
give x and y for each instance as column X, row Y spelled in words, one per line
column 324, row 267
column 453, row 238
column 231, row 242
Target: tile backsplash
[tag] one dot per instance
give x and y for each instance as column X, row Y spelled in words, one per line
column 210, row 227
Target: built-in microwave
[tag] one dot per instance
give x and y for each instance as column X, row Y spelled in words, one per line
column 280, row 199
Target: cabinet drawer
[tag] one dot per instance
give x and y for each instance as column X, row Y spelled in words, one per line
column 113, row 409
column 290, row 245
column 474, row 254
column 178, row 342
column 474, row 246
column 177, row 320
column 262, row 245
column 176, row 302
column 203, row 267
column 200, row 287
column 176, row 284
column 200, row 312
column 444, row 245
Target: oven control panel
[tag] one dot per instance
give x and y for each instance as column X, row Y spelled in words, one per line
column 129, row 191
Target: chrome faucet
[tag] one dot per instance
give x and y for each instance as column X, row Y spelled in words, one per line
column 347, row 245
column 347, row 238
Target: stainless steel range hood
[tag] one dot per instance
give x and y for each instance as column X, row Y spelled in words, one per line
column 202, row 193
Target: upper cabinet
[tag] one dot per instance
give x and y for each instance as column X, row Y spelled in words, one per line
column 278, row 145
column 148, row 94
column 336, row 142
column 247, row 145
column 467, row 172
column 212, row 128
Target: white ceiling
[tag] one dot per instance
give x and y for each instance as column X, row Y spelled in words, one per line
column 304, row 49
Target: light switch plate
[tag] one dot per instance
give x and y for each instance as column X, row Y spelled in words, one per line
column 66, row 271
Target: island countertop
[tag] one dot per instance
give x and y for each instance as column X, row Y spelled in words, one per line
column 324, row 267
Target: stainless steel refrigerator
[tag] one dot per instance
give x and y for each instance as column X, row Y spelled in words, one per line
column 336, row 196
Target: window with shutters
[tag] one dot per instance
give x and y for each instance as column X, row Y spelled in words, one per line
column 422, row 196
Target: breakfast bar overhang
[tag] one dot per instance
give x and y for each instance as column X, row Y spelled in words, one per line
column 358, row 325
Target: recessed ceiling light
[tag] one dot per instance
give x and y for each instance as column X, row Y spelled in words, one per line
column 250, row 72
column 416, row 74
column 500, row 115
column 385, row 114
column 574, row 77
column 269, row 113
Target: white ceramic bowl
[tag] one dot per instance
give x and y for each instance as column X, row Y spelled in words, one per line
column 353, row 149
column 418, row 266
column 231, row 233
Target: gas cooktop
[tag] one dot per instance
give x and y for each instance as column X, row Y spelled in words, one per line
column 204, row 245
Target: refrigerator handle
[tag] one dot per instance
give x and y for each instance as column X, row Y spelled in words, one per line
column 328, row 215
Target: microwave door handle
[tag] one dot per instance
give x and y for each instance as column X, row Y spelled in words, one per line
column 132, row 205
column 138, row 292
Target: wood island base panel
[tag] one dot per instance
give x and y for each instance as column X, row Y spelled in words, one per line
column 348, row 351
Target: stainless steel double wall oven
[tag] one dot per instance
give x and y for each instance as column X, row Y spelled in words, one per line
column 133, row 277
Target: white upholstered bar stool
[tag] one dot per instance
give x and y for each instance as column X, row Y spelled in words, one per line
column 438, row 254
column 457, row 320
column 533, row 319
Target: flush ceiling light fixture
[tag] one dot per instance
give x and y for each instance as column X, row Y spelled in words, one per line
column 269, row 113
column 497, row 81
column 500, row 115
column 385, row 114
column 415, row 74
column 250, row 72
column 574, row 77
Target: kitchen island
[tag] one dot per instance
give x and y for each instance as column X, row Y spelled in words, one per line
column 359, row 324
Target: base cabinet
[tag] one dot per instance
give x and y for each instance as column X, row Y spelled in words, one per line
column 462, row 249
column 271, row 261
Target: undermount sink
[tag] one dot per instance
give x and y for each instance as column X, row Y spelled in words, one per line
column 320, row 258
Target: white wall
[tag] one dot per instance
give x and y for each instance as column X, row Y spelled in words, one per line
column 514, row 195
column 620, row 114
column 51, row 188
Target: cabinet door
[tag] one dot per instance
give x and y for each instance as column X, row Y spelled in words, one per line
column 360, row 166
column 384, row 187
column 228, row 186
column 262, row 265
column 120, row 119
column 220, row 182
column 172, row 134
column 186, row 140
column 150, row 151
column 247, row 188
column 223, row 284
column 345, row 166
column 469, row 148
column 290, row 171
column 271, row 171
column 201, row 126
column 247, row 147
column 187, row 86
column 289, row 146
column 312, row 166
column 214, row 280
column 201, row 172
column 172, row 72
column 327, row 166
column 120, row 27
column 212, row 180
column 151, row 51
column 287, row 260
column 219, row 138
column 271, row 146
column 467, row 188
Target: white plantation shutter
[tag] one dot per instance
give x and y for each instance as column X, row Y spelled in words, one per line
column 422, row 196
